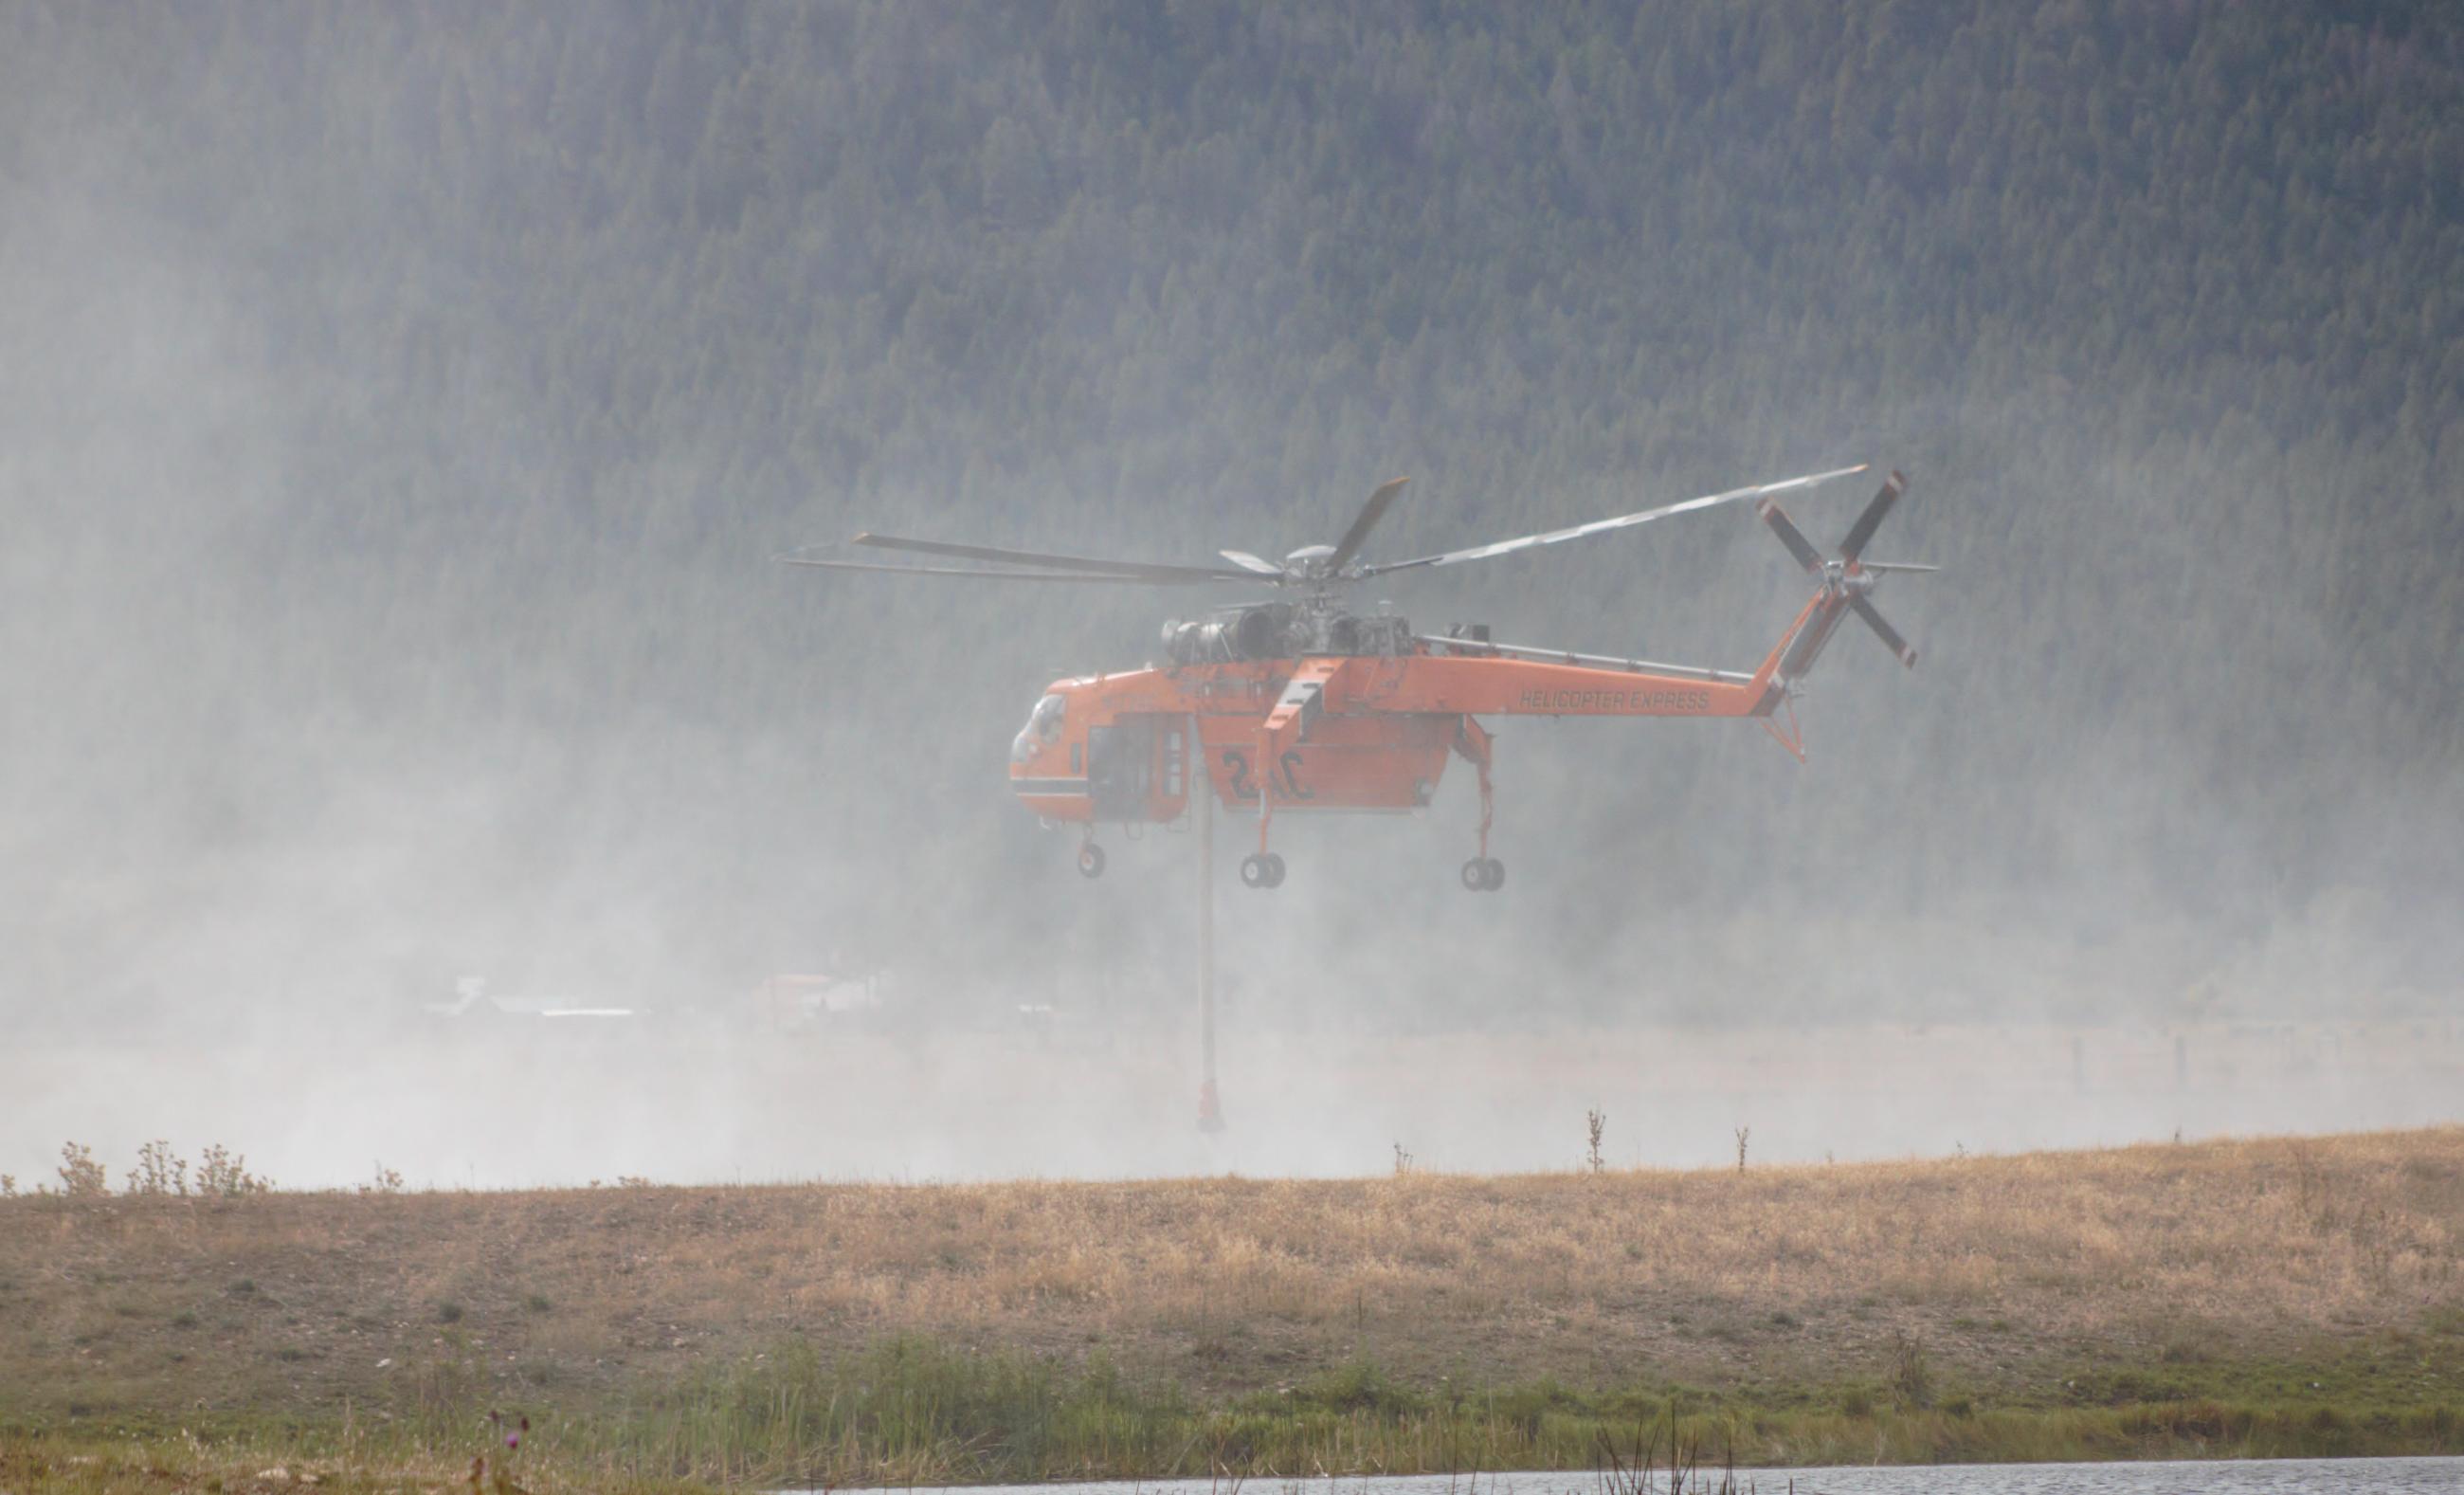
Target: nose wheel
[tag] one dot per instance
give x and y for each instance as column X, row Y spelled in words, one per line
column 1090, row 860
column 1262, row 869
column 1484, row 875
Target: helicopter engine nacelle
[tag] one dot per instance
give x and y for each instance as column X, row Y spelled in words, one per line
column 1251, row 634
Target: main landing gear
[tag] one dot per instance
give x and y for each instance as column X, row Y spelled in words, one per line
column 1090, row 860
column 1262, row 869
column 1484, row 873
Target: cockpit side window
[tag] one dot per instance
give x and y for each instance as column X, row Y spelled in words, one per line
column 1042, row 726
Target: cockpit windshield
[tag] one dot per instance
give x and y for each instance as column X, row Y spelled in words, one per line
column 1042, row 726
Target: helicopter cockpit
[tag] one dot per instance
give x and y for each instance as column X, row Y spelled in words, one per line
column 1042, row 726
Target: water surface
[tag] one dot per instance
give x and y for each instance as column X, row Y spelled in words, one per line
column 2219, row 1477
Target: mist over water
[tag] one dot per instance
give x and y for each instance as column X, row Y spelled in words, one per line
column 527, row 1108
column 402, row 414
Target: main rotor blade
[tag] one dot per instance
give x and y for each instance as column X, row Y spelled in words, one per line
column 1872, row 518
column 1791, row 536
column 1364, row 521
column 1146, row 570
column 1251, row 562
column 1889, row 636
column 985, row 576
column 1884, row 568
column 1602, row 525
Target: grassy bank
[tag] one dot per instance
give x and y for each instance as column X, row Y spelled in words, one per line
column 2266, row 1298
column 919, row 1414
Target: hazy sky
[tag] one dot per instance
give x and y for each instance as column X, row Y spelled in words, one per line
column 406, row 407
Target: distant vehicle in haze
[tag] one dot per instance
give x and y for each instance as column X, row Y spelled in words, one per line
column 814, row 1001
column 471, row 996
column 1301, row 704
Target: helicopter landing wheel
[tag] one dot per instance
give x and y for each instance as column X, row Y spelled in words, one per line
column 1090, row 860
column 1262, row 870
column 1484, row 875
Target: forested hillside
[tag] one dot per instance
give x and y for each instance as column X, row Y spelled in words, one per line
column 402, row 406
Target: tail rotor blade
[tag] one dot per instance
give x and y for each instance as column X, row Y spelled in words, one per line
column 1872, row 518
column 1808, row 643
column 1884, row 631
column 1791, row 536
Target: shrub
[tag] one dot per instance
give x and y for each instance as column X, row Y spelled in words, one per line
column 224, row 1174
column 1911, row 1377
column 158, row 1172
column 81, row 1177
column 1358, row 1386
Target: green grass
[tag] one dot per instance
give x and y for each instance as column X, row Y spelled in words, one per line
column 913, row 1412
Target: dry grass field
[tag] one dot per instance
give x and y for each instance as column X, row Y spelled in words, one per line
column 2306, row 1273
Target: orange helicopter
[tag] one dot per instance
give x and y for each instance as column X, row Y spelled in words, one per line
column 1302, row 704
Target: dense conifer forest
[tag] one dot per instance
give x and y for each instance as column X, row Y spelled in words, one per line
column 402, row 407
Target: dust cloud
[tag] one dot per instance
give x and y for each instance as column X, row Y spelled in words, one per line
column 400, row 424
